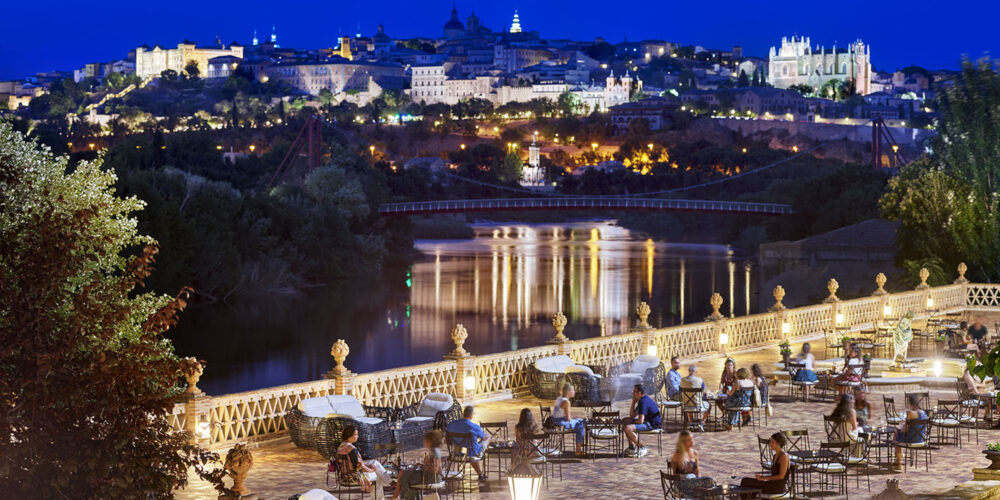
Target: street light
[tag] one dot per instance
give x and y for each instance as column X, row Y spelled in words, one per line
column 462, row 146
column 371, row 149
column 650, row 146
column 524, row 481
column 252, row 148
column 593, row 146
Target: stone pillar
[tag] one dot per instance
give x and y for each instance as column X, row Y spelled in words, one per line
column 721, row 335
column 880, row 280
column 561, row 341
column 779, row 311
column 465, row 366
column 196, row 403
column 643, row 326
column 961, row 280
column 342, row 378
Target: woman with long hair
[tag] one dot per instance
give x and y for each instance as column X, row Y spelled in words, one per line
column 777, row 481
column 757, row 375
column 853, row 368
column 684, row 461
column 806, row 372
column 562, row 416
column 845, row 425
column 739, row 397
column 727, row 381
column 370, row 470
column 524, row 445
column 428, row 473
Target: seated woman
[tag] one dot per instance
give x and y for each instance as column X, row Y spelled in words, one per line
column 853, row 367
column 910, row 432
column 807, row 373
column 757, row 375
column 524, row 446
column 370, row 470
column 776, row 482
column 428, row 473
column 684, row 461
column 862, row 407
column 727, row 381
column 739, row 397
column 561, row 416
column 845, row 429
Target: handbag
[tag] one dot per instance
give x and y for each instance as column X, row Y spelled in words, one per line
column 756, row 397
column 770, row 410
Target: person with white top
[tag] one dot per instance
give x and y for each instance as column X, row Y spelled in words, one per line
column 561, row 416
column 806, row 373
column 853, row 369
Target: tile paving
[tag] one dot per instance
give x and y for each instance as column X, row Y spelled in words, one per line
column 282, row 470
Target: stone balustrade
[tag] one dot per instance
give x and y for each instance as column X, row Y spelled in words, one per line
column 222, row 421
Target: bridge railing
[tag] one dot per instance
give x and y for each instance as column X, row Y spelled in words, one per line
column 583, row 203
column 260, row 414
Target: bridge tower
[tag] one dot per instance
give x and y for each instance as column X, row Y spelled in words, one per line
column 531, row 175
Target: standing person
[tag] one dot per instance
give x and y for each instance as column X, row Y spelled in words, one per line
column 643, row 416
column 862, row 407
column 807, row 373
column 978, row 330
column 738, row 398
column 480, row 441
column 561, row 416
column 429, row 472
column 370, row 470
column 761, row 382
column 727, row 381
column 524, row 445
column 910, row 431
column 674, row 379
column 693, row 381
column 777, row 481
column 684, row 461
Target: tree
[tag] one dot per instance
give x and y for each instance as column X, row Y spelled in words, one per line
column 510, row 169
column 191, row 68
column 86, row 378
column 947, row 203
column 743, row 80
column 802, row 88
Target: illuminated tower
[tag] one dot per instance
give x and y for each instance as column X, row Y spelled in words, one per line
column 255, row 41
column 515, row 27
column 274, row 36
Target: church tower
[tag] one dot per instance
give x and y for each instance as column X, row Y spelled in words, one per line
column 472, row 24
column 345, row 48
column 274, row 35
column 255, row 37
column 515, row 26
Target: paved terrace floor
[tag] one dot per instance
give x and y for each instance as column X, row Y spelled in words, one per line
column 282, row 470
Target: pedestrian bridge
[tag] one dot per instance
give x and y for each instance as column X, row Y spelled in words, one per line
column 584, row 203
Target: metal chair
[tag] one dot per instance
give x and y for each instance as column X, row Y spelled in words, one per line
column 743, row 393
column 669, row 483
column 658, row 432
column 833, row 467
column 603, row 433
column 349, row 480
column 692, row 406
column 947, row 419
column 673, row 407
column 459, row 444
column 766, row 454
column 892, row 416
column 793, row 385
column 923, row 400
column 497, row 432
column 912, row 449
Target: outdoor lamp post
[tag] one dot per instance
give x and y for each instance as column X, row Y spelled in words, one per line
column 525, row 482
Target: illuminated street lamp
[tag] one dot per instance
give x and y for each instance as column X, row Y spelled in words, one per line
column 525, row 482
column 593, row 146
column 371, row 149
column 462, row 146
column 91, row 146
column 253, row 148
column 650, row 146
column 795, row 149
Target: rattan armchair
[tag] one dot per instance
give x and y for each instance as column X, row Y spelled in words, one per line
column 435, row 411
column 645, row 370
column 546, row 377
column 317, row 423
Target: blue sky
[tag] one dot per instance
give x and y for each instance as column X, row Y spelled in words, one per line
column 65, row 35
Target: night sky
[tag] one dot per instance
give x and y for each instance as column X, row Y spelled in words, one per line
column 65, row 35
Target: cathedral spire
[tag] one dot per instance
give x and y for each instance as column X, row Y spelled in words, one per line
column 255, row 37
column 515, row 26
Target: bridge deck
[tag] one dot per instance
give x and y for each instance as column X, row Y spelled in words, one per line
column 584, row 203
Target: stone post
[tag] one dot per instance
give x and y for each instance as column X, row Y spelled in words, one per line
column 925, row 289
column 465, row 365
column 342, row 378
column 718, row 324
column 961, row 280
column 196, row 403
column 648, row 338
column 880, row 292
column 561, row 341
column 779, row 311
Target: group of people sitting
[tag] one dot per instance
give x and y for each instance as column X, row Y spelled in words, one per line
column 685, row 462
column 644, row 415
column 742, row 388
column 970, row 337
column 849, row 377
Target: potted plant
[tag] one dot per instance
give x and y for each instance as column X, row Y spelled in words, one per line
column 867, row 359
column 992, row 452
column 786, row 351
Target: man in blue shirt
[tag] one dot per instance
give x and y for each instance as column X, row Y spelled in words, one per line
column 674, row 379
column 480, row 440
column 643, row 416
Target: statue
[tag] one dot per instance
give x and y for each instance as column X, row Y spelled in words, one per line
column 902, row 334
column 238, row 462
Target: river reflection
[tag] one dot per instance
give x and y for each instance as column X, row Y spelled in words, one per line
column 504, row 286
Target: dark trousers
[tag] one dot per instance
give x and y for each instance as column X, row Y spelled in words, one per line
column 768, row 487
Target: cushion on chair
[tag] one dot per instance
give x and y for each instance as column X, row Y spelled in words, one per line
column 644, row 362
column 856, row 461
column 604, row 433
column 628, row 380
column 554, row 364
column 579, row 369
column 830, row 467
column 671, row 404
column 418, row 420
column 346, row 405
column 945, row 422
column 434, row 402
column 315, row 407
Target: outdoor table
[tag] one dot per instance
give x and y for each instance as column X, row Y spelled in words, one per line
column 501, row 450
column 725, row 491
column 880, row 438
column 592, row 406
column 716, row 404
column 990, row 400
column 619, row 438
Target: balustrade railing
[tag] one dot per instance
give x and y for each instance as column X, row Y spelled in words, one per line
column 261, row 414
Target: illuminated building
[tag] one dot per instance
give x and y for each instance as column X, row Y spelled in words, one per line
column 797, row 63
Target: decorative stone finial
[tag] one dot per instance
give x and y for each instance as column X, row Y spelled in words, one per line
column 924, row 274
column 643, row 311
column 832, row 287
column 962, row 268
column 779, row 295
column 880, row 281
column 604, row 327
column 716, row 303
column 239, row 460
column 192, row 369
column 458, row 335
column 339, row 351
column 559, row 323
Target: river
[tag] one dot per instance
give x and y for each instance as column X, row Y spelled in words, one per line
column 504, row 285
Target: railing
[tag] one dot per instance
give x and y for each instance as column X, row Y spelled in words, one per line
column 260, row 414
column 583, row 203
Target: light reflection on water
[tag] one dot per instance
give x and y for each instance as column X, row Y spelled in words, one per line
column 504, row 286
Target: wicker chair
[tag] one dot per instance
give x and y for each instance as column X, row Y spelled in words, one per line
column 317, row 423
column 435, row 411
column 646, row 370
column 547, row 375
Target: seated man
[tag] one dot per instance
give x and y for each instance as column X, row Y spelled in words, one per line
column 674, row 379
column 978, row 330
column 643, row 416
column 480, row 440
column 693, row 381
